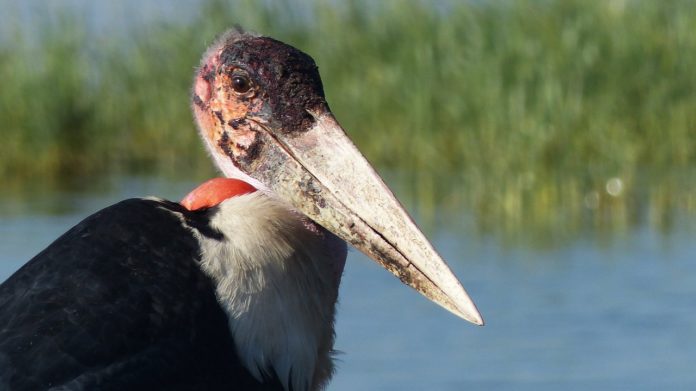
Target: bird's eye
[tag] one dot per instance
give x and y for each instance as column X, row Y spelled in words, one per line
column 240, row 84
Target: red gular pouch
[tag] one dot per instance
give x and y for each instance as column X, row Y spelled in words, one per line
column 214, row 191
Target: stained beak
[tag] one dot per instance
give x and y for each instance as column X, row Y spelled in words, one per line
column 251, row 97
column 321, row 173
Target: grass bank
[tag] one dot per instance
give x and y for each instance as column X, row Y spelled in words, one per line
column 530, row 108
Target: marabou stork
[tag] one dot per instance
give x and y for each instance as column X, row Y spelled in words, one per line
column 234, row 288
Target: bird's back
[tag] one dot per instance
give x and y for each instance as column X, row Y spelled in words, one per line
column 119, row 302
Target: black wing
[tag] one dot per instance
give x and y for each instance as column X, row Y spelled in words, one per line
column 119, row 302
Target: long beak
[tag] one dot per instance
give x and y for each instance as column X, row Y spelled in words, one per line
column 321, row 173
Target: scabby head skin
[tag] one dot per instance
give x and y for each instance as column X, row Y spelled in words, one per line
column 262, row 113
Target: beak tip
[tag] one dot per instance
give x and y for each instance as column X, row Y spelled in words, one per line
column 453, row 297
column 472, row 315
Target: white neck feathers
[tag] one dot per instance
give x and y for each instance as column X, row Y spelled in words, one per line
column 277, row 279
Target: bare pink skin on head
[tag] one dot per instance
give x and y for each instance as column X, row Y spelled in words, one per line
column 263, row 115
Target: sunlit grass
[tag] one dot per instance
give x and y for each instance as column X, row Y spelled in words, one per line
column 520, row 112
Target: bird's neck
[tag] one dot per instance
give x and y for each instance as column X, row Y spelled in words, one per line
column 277, row 277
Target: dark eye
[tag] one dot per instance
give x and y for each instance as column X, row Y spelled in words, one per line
column 240, row 84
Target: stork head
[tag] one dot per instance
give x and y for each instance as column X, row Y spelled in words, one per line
column 261, row 111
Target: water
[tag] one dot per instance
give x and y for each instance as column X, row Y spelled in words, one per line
column 586, row 315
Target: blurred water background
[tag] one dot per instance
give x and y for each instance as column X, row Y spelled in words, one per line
column 547, row 147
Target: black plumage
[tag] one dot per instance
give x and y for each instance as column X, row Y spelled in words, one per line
column 119, row 302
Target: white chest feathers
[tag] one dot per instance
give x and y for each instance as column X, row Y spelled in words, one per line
column 277, row 278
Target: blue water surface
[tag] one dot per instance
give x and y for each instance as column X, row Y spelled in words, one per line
column 588, row 314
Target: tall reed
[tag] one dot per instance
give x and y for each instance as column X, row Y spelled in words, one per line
column 522, row 112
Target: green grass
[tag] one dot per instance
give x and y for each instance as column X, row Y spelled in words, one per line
column 518, row 111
